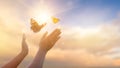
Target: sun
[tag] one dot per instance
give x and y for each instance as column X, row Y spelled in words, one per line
column 43, row 17
column 42, row 13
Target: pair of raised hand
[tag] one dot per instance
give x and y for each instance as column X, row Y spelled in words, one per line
column 46, row 43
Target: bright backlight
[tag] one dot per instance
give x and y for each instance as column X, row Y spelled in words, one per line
column 43, row 17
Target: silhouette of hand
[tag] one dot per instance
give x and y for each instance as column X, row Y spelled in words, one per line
column 24, row 45
column 47, row 42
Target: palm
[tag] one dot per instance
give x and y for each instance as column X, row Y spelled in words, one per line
column 47, row 42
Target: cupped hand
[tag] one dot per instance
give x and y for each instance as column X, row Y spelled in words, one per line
column 48, row 41
column 24, row 45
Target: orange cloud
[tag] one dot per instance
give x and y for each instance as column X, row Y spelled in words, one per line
column 79, row 58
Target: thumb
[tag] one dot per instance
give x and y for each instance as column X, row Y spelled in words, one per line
column 24, row 38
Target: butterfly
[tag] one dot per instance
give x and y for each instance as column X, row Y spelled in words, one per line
column 55, row 20
column 35, row 26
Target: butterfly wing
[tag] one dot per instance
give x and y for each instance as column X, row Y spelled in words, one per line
column 35, row 26
column 55, row 20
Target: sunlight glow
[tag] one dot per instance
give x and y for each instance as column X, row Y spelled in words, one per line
column 43, row 17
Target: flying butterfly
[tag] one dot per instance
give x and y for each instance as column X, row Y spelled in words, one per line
column 55, row 20
column 35, row 26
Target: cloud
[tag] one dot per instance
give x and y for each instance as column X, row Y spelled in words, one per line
column 75, row 58
column 78, row 46
column 116, row 62
column 95, row 39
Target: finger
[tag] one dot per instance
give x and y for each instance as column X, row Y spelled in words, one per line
column 55, row 35
column 54, row 32
column 24, row 37
column 45, row 34
column 55, row 40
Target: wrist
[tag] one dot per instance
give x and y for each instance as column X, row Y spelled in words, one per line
column 24, row 52
column 42, row 51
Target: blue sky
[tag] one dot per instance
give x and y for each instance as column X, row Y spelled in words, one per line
column 100, row 10
column 109, row 10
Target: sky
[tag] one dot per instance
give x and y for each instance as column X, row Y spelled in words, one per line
column 90, row 32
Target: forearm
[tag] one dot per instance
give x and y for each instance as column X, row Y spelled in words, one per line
column 38, row 60
column 15, row 61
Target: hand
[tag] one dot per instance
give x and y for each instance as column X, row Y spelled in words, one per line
column 47, row 42
column 24, row 45
column 19, row 58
